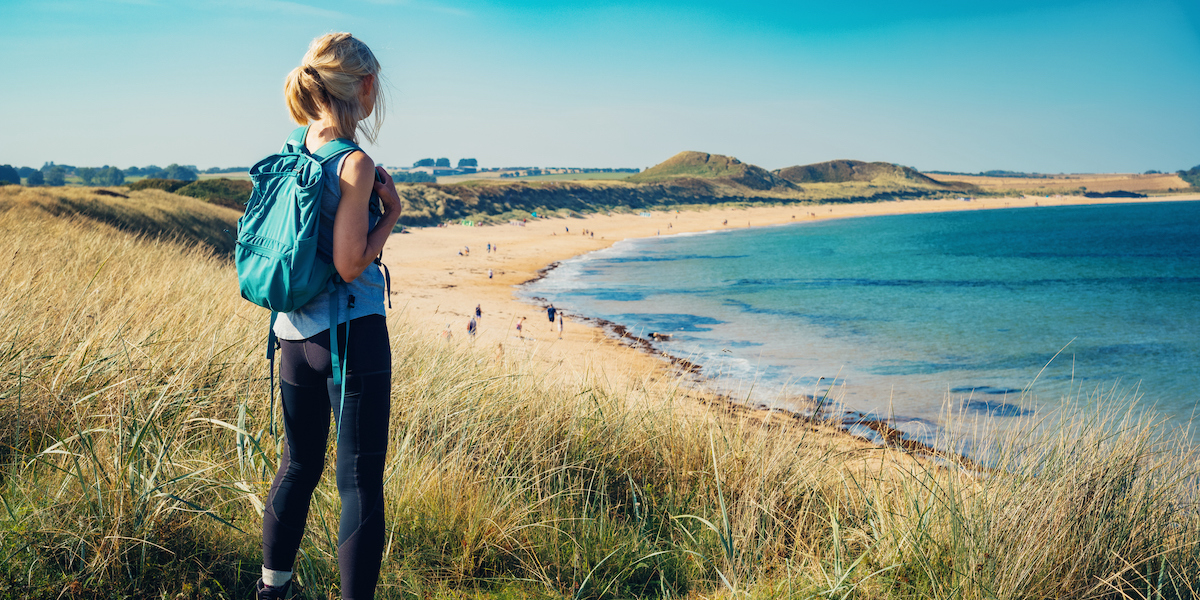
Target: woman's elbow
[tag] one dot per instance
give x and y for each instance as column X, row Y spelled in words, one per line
column 348, row 271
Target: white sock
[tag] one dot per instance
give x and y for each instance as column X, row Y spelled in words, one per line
column 276, row 578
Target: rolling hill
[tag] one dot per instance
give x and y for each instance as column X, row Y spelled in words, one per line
column 842, row 171
column 701, row 165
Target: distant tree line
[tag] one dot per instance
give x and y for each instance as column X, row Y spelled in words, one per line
column 100, row 176
column 416, row 177
column 445, row 163
column 56, row 175
column 992, row 173
column 172, row 171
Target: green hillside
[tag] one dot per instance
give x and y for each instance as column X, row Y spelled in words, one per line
column 1191, row 176
column 701, row 165
column 842, row 171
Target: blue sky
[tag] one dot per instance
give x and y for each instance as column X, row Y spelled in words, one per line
column 1048, row 86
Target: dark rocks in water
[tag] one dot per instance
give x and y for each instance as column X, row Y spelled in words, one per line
column 997, row 409
column 1114, row 194
column 984, row 389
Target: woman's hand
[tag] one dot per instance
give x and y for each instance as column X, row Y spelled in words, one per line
column 386, row 190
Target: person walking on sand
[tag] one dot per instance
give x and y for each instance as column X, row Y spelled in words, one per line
column 550, row 313
column 333, row 92
column 478, row 311
column 520, row 328
column 560, row 325
column 471, row 327
column 489, row 273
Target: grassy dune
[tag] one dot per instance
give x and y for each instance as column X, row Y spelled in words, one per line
column 702, row 165
column 139, row 440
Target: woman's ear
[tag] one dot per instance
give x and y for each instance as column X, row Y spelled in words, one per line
column 368, row 85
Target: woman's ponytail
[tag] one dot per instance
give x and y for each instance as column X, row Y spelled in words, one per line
column 329, row 81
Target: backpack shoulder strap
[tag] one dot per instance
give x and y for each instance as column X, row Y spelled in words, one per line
column 334, row 149
column 296, row 140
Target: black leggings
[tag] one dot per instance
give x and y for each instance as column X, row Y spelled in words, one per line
column 306, row 381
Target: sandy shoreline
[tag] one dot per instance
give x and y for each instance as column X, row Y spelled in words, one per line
column 437, row 284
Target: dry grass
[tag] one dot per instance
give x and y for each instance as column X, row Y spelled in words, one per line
column 141, row 441
column 1058, row 184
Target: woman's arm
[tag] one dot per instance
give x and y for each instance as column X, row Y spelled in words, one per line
column 354, row 248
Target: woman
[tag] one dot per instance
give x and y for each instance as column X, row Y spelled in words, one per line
column 334, row 90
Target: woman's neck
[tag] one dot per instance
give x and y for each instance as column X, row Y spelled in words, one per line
column 321, row 132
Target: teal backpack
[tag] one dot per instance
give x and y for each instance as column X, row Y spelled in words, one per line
column 278, row 265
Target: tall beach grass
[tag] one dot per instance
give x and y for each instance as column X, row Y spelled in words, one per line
column 139, row 439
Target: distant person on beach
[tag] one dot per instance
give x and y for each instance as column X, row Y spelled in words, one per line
column 478, row 311
column 560, row 325
column 489, row 247
column 489, row 273
column 447, row 333
column 520, row 328
column 471, row 326
column 336, row 94
column 550, row 313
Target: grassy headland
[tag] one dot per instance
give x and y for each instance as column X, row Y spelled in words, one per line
column 688, row 179
column 139, row 441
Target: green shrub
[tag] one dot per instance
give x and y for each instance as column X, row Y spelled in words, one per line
column 1191, row 176
column 230, row 193
column 55, row 176
column 167, row 185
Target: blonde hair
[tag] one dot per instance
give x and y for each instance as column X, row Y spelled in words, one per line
column 328, row 82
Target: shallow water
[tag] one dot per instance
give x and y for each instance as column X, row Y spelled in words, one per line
column 909, row 314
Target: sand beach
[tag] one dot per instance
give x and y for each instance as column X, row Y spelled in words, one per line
column 440, row 274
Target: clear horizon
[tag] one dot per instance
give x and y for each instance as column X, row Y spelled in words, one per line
column 1021, row 85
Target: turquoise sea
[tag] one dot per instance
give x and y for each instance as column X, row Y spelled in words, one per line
column 909, row 315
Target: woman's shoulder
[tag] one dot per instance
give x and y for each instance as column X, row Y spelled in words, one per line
column 358, row 164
